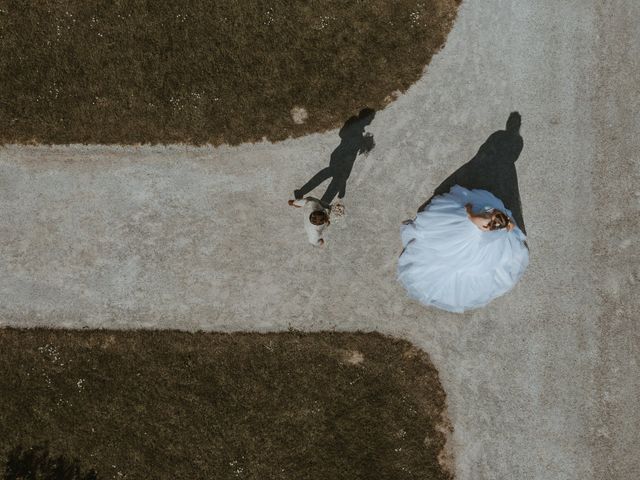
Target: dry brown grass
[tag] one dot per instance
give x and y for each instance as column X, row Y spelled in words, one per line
column 195, row 71
column 162, row 404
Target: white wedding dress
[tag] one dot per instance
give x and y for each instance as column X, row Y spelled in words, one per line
column 448, row 262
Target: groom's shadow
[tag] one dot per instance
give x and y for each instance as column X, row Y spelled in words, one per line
column 493, row 168
column 353, row 141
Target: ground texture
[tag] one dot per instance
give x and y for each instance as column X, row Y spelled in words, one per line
column 205, row 72
column 177, row 405
column 542, row 384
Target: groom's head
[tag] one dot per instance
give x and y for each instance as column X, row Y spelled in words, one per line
column 319, row 217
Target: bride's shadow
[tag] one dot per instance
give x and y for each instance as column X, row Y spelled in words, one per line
column 493, row 168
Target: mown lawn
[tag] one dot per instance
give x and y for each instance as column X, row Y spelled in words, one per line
column 175, row 405
column 196, row 71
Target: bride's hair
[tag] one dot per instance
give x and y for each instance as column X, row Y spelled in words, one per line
column 499, row 221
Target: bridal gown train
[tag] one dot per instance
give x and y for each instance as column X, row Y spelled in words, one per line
column 448, row 262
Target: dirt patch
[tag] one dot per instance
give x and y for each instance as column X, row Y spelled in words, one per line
column 354, row 357
column 201, row 72
column 150, row 404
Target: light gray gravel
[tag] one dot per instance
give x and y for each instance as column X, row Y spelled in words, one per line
column 542, row 384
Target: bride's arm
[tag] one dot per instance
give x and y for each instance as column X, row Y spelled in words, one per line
column 480, row 220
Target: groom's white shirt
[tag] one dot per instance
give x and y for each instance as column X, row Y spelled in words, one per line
column 314, row 232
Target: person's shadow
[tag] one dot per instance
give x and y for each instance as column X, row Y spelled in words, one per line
column 493, row 168
column 354, row 140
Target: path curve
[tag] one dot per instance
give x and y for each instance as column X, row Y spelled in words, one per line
column 541, row 384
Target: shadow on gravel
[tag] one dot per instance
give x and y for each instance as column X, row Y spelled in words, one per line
column 493, row 168
column 353, row 141
column 36, row 463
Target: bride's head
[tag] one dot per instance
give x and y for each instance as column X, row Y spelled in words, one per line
column 498, row 221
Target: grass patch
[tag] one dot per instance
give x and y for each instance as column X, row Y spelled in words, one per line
column 196, row 71
column 163, row 404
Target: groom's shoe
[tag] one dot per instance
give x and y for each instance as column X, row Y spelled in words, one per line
column 297, row 194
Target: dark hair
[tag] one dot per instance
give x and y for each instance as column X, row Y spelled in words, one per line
column 499, row 221
column 318, row 217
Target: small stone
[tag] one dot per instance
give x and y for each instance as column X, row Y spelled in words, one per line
column 299, row 115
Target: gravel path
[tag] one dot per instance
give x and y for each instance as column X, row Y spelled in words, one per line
column 542, row 384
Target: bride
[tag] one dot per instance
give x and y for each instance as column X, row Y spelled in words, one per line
column 462, row 251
